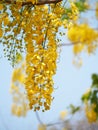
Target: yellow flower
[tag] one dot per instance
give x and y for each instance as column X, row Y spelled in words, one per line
column 13, row 109
column 78, row 48
column 63, row 114
column 90, row 113
column 37, row 27
column 91, row 116
column 6, row 21
column 84, row 38
column 42, row 127
column 20, row 101
column 19, row 111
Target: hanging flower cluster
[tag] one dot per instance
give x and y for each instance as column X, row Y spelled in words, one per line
column 33, row 29
column 40, row 68
column 41, row 59
column 42, row 55
column 83, row 37
column 18, row 21
column 20, row 104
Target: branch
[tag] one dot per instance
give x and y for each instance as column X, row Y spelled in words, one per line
column 56, row 123
column 40, row 2
column 38, row 118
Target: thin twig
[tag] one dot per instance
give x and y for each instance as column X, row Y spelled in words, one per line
column 38, row 118
column 59, row 122
column 46, row 29
column 71, row 44
column 48, row 26
column 66, row 44
column 92, row 9
column 64, row 3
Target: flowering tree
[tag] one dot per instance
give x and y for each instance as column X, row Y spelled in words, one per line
column 31, row 39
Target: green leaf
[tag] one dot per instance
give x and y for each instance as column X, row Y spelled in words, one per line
column 94, row 97
column 74, row 109
column 95, row 80
column 94, row 76
column 65, row 15
column 86, row 96
column 81, row 5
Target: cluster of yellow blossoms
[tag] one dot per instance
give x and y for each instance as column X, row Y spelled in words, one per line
column 37, row 27
column 20, row 104
column 40, row 68
column 83, row 38
column 4, row 18
column 41, row 60
column 75, row 12
column 41, row 47
column 90, row 112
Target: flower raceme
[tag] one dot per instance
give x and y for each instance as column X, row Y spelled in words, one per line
column 41, row 60
column 33, row 29
column 40, row 68
column 18, row 22
column 41, row 50
column 83, row 37
column 20, row 104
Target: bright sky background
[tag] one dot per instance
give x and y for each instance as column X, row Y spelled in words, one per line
column 71, row 83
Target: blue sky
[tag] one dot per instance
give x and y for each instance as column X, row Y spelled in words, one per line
column 70, row 84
